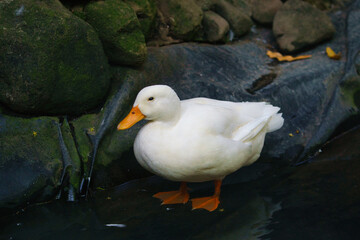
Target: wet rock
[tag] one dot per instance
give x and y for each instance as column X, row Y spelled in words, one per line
column 298, row 25
column 240, row 22
column 30, row 162
column 215, row 27
column 39, row 160
column 51, row 62
column 183, row 17
column 146, row 12
column 119, row 30
column 264, row 11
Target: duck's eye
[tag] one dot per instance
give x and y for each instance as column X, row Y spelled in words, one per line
column 150, row 99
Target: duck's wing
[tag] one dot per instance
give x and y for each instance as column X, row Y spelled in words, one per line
column 252, row 117
column 251, row 130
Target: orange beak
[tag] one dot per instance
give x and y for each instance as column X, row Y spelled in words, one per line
column 133, row 117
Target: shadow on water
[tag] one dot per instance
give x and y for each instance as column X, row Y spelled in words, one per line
column 320, row 200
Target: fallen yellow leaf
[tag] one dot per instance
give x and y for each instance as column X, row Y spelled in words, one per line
column 331, row 54
column 288, row 58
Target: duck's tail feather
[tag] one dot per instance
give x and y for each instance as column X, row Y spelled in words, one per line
column 269, row 122
column 251, row 129
column 276, row 122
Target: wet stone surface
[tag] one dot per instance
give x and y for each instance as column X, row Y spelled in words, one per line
column 317, row 200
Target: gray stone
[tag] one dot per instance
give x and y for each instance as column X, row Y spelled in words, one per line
column 298, row 25
column 215, row 27
column 244, row 5
column 264, row 11
column 240, row 22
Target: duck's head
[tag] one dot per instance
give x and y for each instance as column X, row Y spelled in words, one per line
column 157, row 103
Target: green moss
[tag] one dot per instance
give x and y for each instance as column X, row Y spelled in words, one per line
column 30, row 157
column 183, row 17
column 119, row 30
column 84, row 126
column 51, row 62
column 186, row 18
column 350, row 90
column 146, row 12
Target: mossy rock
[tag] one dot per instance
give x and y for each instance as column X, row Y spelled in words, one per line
column 350, row 90
column 51, row 62
column 119, row 30
column 183, row 17
column 31, row 160
column 146, row 13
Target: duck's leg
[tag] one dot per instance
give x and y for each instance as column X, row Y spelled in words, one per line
column 174, row 197
column 208, row 203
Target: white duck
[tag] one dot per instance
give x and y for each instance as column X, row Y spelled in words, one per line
column 198, row 139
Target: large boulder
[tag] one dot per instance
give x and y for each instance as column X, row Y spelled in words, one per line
column 298, row 25
column 183, row 17
column 240, row 22
column 119, row 30
column 51, row 62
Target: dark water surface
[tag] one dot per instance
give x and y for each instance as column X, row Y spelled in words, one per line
column 317, row 200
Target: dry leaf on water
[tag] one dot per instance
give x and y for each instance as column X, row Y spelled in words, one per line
column 331, row 54
column 288, row 58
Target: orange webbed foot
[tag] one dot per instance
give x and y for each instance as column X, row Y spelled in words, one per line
column 209, row 203
column 174, row 197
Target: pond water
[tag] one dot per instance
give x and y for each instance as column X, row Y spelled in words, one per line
column 317, row 200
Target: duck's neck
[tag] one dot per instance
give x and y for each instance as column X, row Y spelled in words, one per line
column 173, row 114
